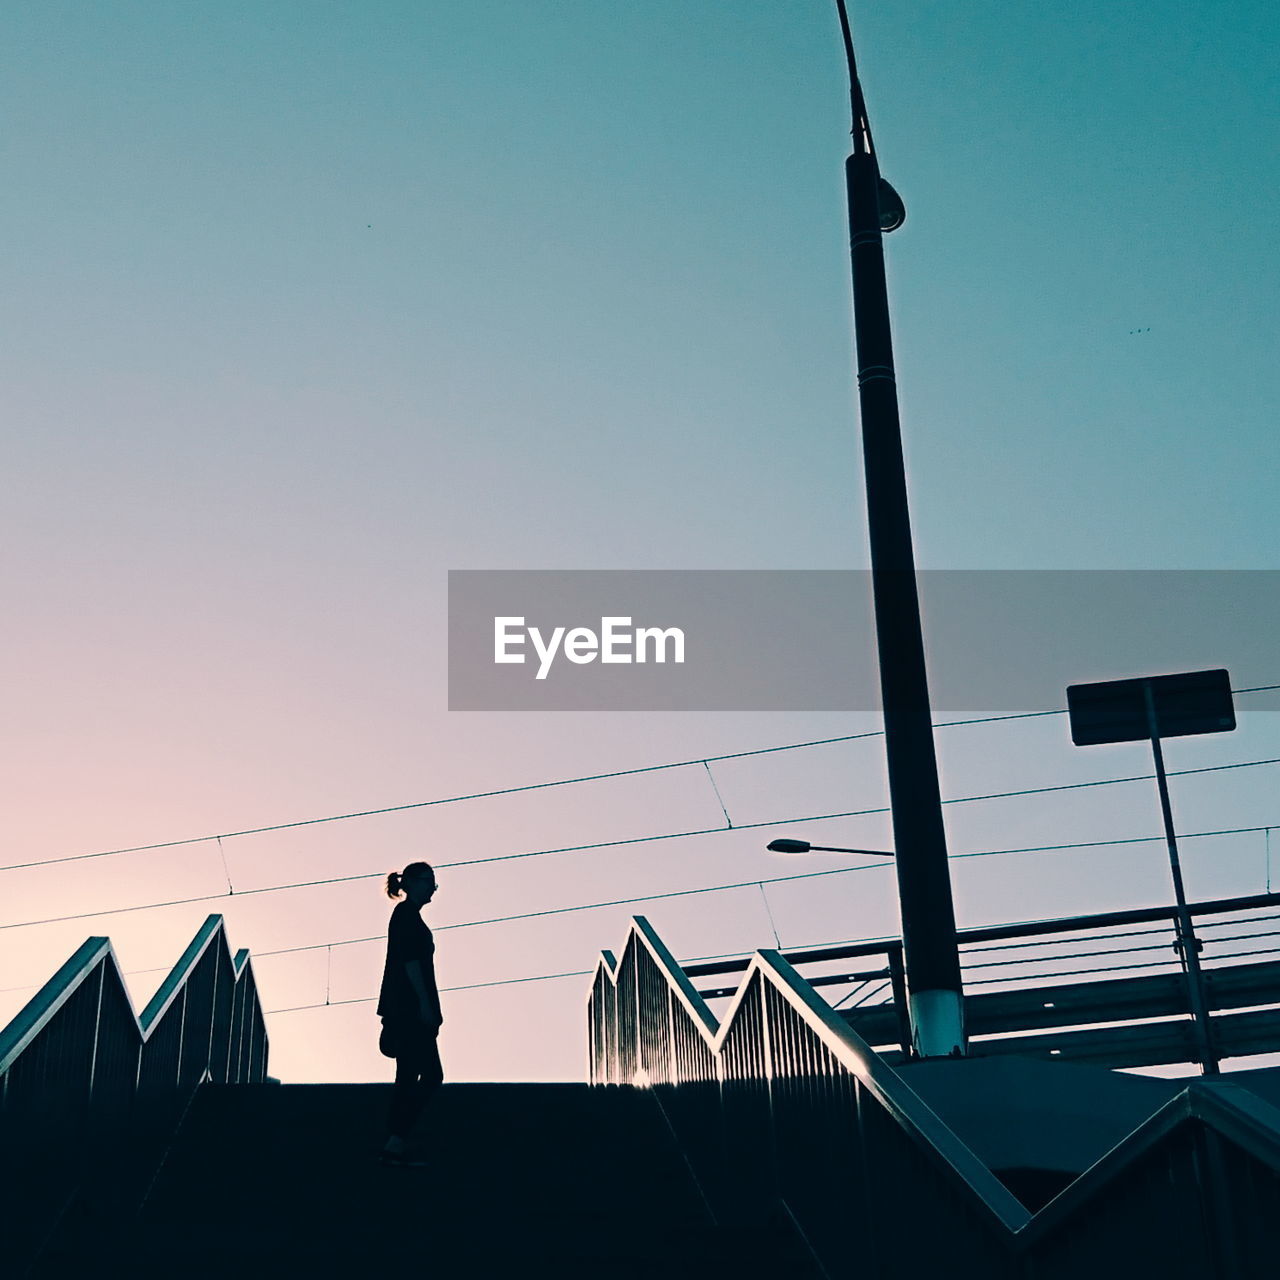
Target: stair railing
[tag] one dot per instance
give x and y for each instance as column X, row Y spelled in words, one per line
column 1105, row 971
column 781, row 1101
column 79, row 1037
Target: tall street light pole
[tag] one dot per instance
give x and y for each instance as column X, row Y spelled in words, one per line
column 935, row 995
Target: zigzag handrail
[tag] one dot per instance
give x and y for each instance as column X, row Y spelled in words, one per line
column 1226, row 1109
column 234, row 1013
column 849, row 1049
column 1222, row 1110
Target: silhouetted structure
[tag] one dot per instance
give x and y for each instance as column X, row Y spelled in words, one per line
column 920, row 844
column 1149, row 708
column 90, row 1093
column 1019, row 1166
column 781, row 1139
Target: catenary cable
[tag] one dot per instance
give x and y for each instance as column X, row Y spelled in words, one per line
column 618, row 902
column 561, row 782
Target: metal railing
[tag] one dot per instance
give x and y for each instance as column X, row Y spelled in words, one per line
column 91, row 1093
column 1127, row 985
column 79, row 1037
column 782, row 1101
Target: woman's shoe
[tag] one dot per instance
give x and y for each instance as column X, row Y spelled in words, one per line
column 403, row 1159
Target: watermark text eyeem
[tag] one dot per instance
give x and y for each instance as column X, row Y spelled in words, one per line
column 792, row 640
column 616, row 641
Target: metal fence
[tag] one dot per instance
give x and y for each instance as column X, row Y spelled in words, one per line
column 781, row 1102
column 91, row 1093
column 79, row 1038
column 1110, row 989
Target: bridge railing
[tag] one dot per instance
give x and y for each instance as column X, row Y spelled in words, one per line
column 78, row 1037
column 780, row 1103
column 1109, row 989
column 91, row 1093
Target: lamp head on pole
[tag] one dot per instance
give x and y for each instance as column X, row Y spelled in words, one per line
column 789, row 846
column 893, row 213
column 803, row 846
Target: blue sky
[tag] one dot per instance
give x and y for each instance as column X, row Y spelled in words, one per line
column 309, row 303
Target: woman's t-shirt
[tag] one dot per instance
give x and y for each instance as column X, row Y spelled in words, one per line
column 408, row 938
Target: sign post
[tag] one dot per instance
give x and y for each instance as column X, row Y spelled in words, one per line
column 1153, row 707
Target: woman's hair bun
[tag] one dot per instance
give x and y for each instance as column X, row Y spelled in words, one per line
column 395, row 881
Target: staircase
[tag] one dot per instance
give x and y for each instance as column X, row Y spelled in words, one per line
column 528, row 1180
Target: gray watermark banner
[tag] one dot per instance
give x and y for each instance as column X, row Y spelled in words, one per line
column 996, row 641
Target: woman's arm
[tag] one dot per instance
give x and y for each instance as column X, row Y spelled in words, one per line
column 428, row 1000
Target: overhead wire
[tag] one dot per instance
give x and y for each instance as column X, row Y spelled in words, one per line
column 618, row 902
column 599, row 777
column 468, row 986
column 681, row 835
column 969, row 981
column 458, row 799
column 705, row 761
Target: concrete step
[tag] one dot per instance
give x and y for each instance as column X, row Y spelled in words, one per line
column 540, row 1179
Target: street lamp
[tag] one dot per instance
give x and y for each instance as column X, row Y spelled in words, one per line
column 932, row 958
column 803, row 846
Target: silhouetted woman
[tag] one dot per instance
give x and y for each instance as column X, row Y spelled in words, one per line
column 409, row 1005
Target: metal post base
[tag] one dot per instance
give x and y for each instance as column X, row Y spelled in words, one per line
column 937, row 1024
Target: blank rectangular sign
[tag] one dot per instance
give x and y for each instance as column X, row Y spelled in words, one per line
column 1116, row 710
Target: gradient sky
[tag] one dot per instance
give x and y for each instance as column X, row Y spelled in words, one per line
column 308, row 303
